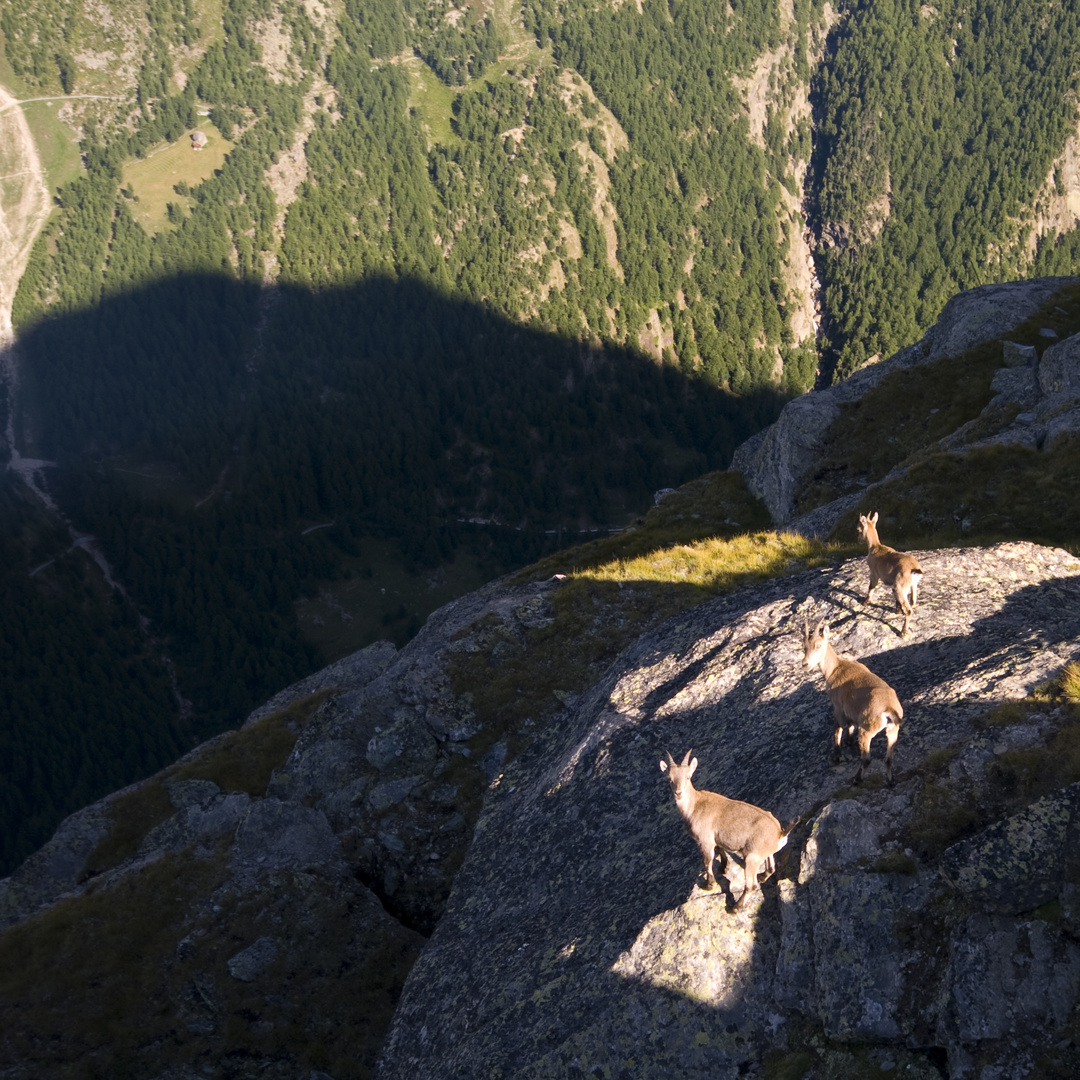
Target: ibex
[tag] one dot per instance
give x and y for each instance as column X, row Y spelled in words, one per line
column 862, row 703
column 727, row 825
column 895, row 568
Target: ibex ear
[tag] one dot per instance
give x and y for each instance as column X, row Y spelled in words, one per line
column 663, row 765
column 825, row 630
column 693, row 766
column 873, row 520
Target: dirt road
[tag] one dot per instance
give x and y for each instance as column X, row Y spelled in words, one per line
column 24, row 204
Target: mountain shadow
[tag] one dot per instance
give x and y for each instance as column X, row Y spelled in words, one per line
column 362, row 453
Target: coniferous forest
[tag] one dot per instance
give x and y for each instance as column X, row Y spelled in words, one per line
column 468, row 281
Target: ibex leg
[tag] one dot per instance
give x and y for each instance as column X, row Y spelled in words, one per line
column 891, row 732
column 752, row 863
column 903, row 606
column 864, row 755
column 838, row 741
column 709, row 856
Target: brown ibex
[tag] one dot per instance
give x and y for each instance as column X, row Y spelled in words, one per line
column 727, row 825
column 862, row 703
column 893, row 567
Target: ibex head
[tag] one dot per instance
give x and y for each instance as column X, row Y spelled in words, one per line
column 815, row 642
column 679, row 775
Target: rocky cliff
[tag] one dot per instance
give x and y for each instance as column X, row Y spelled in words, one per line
column 482, row 811
column 1034, row 399
column 577, row 940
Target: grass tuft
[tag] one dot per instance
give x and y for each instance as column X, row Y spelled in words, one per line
column 895, row 862
column 946, row 812
column 241, row 760
column 1069, row 683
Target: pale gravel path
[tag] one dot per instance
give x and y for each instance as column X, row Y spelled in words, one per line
column 24, row 204
column 24, row 208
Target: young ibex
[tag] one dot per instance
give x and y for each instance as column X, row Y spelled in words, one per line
column 893, row 567
column 862, row 703
column 731, row 826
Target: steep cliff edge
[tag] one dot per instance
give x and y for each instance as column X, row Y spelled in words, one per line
column 576, row 941
column 1013, row 404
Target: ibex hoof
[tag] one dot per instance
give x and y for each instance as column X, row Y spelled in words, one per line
column 857, row 778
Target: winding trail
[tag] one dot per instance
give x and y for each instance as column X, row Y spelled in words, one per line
column 24, row 209
column 25, row 204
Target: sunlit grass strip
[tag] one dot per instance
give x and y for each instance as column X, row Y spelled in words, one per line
column 717, row 565
column 1069, row 682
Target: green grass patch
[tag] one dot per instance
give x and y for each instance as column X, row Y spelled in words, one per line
column 785, row 1065
column 1069, row 683
column 241, row 760
column 100, row 985
column 1020, row 777
column 946, row 812
column 981, row 497
column 910, row 410
column 895, row 861
column 433, row 101
column 208, row 20
column 717, row 565
column 153, row 177
column 942, row 816
column 56, row 143
column 503, row 14
column 85, row 977
column 134, row 814
column 906, row 412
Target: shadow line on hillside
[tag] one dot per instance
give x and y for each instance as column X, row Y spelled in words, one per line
column 404, row 415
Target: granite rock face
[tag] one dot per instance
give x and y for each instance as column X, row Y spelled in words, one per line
column 776, row 461
column 578, row 941
column 576, row 936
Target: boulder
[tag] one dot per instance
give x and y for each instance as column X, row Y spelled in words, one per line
column 776, row 461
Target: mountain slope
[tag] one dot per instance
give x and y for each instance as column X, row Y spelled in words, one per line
column 491, row 776
column 576, row 937
column 447, row 287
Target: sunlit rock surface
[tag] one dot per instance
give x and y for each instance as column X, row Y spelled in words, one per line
column 577, row 940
